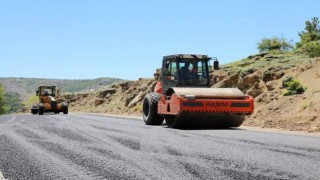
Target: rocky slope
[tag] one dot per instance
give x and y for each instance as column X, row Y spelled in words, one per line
column 260, row 76
column 121, row 98
column 274, row 110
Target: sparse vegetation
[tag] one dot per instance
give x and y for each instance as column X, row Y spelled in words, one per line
column 82, row 85
column 2, row 101
column 246, row 71
column 292, row 86
column 274, row 45
column 315, row 91
column 305, row 105
column 263, row 63
column 138, row 108
column 31, row 100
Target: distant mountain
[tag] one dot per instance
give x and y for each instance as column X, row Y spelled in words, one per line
column 25, row 87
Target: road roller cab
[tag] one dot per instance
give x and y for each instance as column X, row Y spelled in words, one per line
column 185, row 70
column 183, row 94
column 49, row 101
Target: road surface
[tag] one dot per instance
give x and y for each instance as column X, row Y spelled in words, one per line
column 82, row 146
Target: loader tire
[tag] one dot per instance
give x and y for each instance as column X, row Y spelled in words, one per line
column 150, row 109
column 34, row 111
column 41, row 110
column 65, row 110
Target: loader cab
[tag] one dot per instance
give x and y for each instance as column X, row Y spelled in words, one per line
column 46, row 91
column 185, row 71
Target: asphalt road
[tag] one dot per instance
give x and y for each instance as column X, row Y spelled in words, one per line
column 79, row 146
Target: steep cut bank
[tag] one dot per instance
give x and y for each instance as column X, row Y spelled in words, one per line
column 297, row 112
column 263, row 78
column 121, row 98
column 260, row 76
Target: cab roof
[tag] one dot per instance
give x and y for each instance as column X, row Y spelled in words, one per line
column 47, row 86
column 186, row 56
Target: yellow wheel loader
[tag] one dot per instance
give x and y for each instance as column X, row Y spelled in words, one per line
column 49, row 101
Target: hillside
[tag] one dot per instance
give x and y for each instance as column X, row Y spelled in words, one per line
column 121, row 98
column 260, row 76
column 25, row 87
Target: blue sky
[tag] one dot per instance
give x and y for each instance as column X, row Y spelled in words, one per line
column 87, row 39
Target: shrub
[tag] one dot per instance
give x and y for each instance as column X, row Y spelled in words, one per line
column 274, row 44
column 292, row 86
column 312, row 49
column 246, row 71
column 31, row 101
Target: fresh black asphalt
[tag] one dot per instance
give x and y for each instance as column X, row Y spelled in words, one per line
column 84, row 146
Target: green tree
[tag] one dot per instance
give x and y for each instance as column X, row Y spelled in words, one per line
column 274, row 44
column 2, row 100
column 13, row 102
column 311, row 33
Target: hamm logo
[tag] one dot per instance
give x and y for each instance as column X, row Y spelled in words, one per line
column 217, row 104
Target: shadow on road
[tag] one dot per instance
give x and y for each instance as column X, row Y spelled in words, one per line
column 205, row 126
